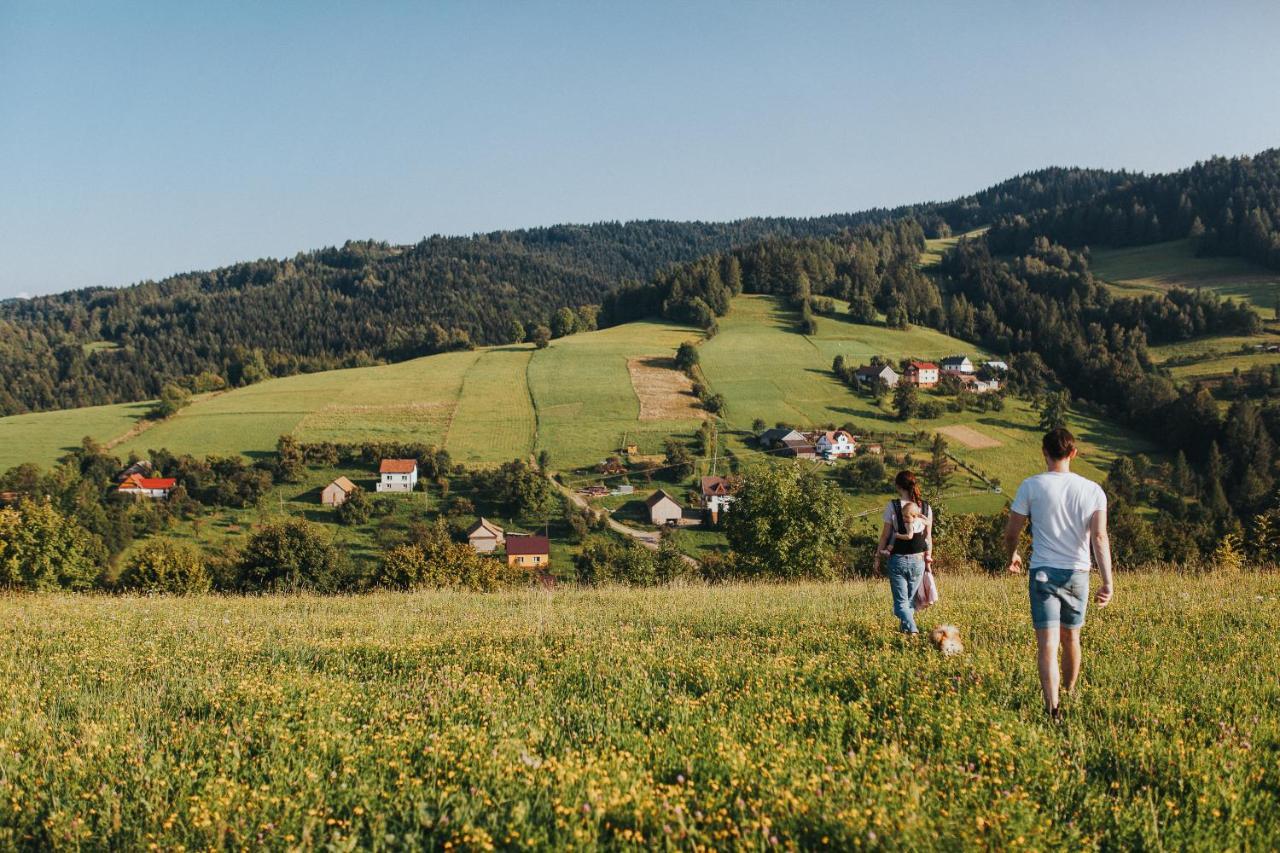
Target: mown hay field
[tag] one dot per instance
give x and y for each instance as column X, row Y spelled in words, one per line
column 1154, row 268
column 740, row 717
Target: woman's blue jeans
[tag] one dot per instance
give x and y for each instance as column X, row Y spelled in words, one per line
column 906, row 571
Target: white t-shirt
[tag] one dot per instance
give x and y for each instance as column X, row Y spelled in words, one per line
column 1060, row 506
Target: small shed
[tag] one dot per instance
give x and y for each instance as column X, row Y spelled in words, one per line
column 663, row 509
column 336, row 493
column 485, row 536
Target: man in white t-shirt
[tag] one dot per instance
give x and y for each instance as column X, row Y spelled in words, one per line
column 1068, row 517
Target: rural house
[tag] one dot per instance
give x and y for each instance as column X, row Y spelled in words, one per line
column 663, row 509
column 142, row 467
column 957, row 364
column 336, row 493
column 529, row 552
column 717, row 494
column 869, row 373
column 485, row 536
column 398, row 475
column 799, row 447
column 138, row 486
column 835, row 444
column 998, row 366
column 922, row 374
column 775, row 437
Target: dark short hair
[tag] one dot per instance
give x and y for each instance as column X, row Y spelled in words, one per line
column 1058, row 443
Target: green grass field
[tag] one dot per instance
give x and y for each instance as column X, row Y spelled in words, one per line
column 741, row 717
column 575, row 400
column 1151, row 269
column 766, row 370
column 44, row 436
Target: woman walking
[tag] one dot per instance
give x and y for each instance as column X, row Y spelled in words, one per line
column 907, row 541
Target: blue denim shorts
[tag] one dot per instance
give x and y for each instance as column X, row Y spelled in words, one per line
column 1059, row 597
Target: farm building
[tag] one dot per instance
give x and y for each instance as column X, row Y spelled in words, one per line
column 875, row 449
column 775, row 437
column 869, row 373
column 835, row 444
column 138, row 486
column 999, row 366
column 398, row 475
column 717, row 495
column 485, row 536
column 663, row 509
column 337, row 492
column 142, row 467
column 957, row 364
column 530, row 552
column 923, row 374
column 799, row 448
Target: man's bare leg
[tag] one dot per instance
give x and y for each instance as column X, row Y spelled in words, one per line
column 1070, row 638
column 1047, row 658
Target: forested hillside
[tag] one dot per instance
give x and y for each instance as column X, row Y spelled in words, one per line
column 1228, row 206
column 368, row 301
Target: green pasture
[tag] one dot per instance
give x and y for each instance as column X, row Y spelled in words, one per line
column 1140, row 270
column 44, row 436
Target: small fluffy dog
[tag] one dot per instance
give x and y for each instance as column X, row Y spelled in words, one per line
column 946, row 639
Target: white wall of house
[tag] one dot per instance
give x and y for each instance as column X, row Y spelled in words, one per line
column 398, row 482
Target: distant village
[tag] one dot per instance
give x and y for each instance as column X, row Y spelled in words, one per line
column 714, row 496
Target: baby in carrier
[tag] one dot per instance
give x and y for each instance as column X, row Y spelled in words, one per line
column 913, row 520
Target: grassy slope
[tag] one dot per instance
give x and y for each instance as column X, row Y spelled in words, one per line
column 766, row 370
column 722, row 717
column 1157, row 267
column 573, row 399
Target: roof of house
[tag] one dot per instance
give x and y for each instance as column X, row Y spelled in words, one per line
column 802, row 441
column 484, row 525
column 955, row 359
column 874, row 370
column 715, row 486
column 658, row 497
column 343, row 483
column 398, row 466
column 142, row 466
column 528, row 545
column 833, row 435
column 922, row 365
column 137, row 481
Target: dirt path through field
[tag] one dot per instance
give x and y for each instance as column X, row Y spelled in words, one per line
column 970, row 437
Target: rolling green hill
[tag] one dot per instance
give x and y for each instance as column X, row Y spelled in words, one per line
column 577, row 399
column 1155, row 268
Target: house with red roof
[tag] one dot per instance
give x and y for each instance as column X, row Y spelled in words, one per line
column 835, row 444
column 138, row 486
column 923, row 374
column 397, row 475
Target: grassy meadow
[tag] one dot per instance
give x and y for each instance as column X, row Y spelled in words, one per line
column 1139, row 270
column 741, row 717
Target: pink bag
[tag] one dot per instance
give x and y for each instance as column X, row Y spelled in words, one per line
column 927, row 594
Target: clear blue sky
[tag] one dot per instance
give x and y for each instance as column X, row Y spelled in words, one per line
column 138, row 140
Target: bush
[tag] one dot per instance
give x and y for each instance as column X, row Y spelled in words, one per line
column 605, row 559
column 40, row 548
column 786, row 523
column 431, row 559
column 291, row 555
column 166, row 566
column 356, row 509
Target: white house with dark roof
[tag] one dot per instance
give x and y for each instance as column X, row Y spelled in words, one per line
column 957, row 364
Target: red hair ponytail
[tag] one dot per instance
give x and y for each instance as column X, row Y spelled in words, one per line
column 906, row 481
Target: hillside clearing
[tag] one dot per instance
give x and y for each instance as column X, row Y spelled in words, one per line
column 970, row 437
column 714, row 716
column 665, row 393
column 1154, row 268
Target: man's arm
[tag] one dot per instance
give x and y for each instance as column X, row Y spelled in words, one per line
column 1012, row 533
column 1100, row 542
